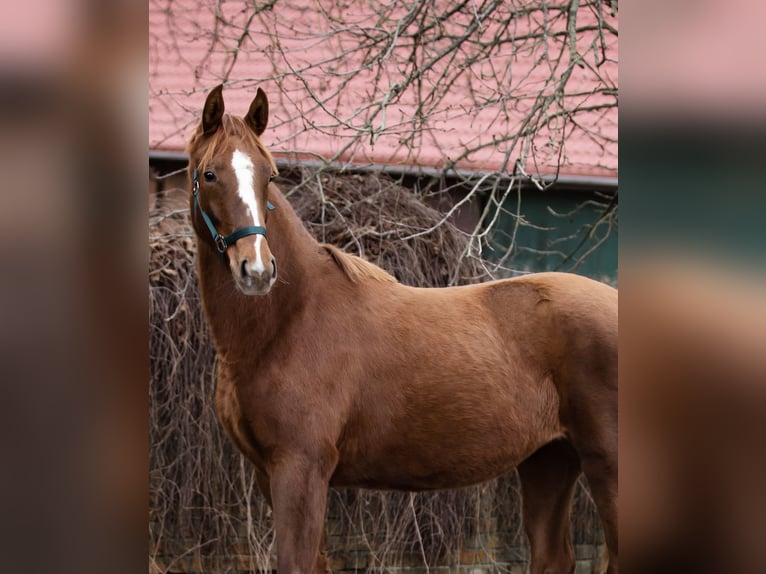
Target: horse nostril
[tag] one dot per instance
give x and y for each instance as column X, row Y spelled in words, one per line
column 243, row 268
column 273, row 268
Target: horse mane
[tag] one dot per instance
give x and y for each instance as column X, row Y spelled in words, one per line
column 356, row 268
column 233, row 126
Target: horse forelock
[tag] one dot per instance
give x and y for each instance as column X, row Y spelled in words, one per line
column 208, row 147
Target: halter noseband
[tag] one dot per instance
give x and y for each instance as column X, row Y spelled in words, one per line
column 223, row 243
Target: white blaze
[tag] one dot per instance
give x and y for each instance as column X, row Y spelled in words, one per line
column 244, row 171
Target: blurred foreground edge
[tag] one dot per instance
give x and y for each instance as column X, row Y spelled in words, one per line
column 692, row 417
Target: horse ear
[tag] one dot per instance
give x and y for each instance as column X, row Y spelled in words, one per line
column 258, row 115
column 213, row 110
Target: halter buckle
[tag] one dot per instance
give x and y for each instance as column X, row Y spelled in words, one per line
column 220, row 243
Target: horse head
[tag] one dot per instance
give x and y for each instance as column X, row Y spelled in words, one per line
column 230, row 170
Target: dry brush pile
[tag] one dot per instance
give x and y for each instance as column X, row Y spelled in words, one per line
column 206, row 513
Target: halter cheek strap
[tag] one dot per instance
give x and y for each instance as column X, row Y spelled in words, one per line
column 223, row 243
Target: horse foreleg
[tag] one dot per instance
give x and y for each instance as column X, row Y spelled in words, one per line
column 299, row 500
column 548, row 478
column 264, row 485
column 322, row 565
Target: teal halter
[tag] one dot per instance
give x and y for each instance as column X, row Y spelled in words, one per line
column 223, row 243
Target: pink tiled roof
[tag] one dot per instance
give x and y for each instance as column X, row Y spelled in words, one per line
column 183, row 69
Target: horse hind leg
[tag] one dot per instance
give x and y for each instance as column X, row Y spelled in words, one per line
column 593, row 434
column 548, row 478
column 600, row 468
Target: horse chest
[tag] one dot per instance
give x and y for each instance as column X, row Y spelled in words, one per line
column 235, row 421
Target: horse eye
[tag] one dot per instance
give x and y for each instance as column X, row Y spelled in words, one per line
column 209, row 176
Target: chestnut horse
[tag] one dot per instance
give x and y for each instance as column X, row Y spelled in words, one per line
column 330, row 373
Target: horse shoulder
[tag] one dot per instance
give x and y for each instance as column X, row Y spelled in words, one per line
column 355, row 268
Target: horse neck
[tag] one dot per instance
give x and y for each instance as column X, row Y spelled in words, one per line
column 242, row 326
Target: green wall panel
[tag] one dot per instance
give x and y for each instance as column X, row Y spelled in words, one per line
column 557, row 231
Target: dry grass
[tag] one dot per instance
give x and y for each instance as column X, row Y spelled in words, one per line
column 206, row 513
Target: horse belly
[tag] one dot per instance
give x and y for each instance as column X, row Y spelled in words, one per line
column 456, row 443
column 409, row 473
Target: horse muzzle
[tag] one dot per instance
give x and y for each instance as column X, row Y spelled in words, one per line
column 252, row 277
